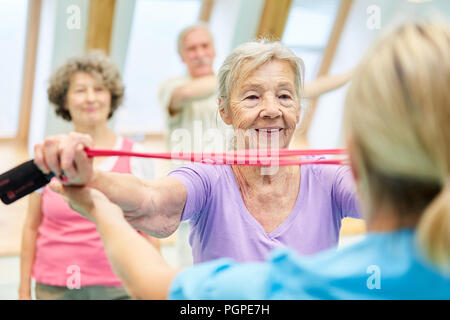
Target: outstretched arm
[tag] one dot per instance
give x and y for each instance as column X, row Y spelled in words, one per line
column 325, row 84
column 137, row 263
column 152, row 206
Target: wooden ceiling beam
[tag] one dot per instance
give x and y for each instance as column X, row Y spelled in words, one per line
column 101, row 16
column 273, row 19
column 206, row 10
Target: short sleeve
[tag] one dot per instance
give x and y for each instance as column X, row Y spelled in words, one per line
column 344, row 193
column 198, row 180
column 222, row 279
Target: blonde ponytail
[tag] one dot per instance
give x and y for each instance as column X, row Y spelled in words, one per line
column 433, row 230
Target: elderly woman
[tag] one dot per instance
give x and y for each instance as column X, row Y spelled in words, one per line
column 60, row 249
column 399, row 140
column 234, row 211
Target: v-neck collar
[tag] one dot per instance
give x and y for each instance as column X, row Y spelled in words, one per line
column 285, row 224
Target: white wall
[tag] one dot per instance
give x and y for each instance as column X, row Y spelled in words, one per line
column 57, row 41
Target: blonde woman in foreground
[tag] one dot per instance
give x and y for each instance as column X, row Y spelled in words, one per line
column 397, row 123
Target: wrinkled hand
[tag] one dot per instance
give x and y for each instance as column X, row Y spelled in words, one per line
column 64, row 156
column 84, row 200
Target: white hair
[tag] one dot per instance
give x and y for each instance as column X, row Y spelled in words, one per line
column 254, row 54
column 186, row 30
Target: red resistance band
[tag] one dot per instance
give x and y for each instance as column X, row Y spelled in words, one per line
column 238, row 157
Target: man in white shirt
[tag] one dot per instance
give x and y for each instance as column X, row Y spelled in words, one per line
column 190, row 101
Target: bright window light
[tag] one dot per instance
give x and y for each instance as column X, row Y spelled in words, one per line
column 308, row 29
column 13, row 17
column 152, row 57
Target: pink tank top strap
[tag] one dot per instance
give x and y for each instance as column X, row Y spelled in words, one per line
column 123, row 163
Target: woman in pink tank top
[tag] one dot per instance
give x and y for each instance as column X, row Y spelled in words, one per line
column 61, row 250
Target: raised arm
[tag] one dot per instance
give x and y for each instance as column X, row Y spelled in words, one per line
column 154, row 207
column 325, row 84
column 197, row 88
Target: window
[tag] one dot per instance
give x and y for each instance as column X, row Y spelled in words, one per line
column 151, row 58
column 13, row 17
column 307, row 31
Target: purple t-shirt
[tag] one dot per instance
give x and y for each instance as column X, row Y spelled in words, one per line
column 221, row 226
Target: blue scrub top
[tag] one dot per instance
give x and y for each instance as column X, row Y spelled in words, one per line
column 384, row 265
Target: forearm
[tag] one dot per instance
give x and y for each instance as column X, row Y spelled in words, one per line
column 125, row 190
column 27, row 255
column 325, row 84
column 137, row 263
column 195, row 89
column 154, row 206
column 30, row 232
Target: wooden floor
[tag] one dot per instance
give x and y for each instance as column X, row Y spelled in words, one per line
column 12, row 216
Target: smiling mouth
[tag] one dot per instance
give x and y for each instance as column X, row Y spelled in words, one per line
column 269, row 131
column 91, row 109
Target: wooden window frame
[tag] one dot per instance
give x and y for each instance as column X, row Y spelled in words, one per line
column 206, row 10
column 273, row 19
column 100, row 25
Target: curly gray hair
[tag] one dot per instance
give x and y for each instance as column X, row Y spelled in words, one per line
column 95, row 63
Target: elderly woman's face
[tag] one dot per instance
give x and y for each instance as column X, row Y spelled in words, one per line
column 88, row 100
column 264, row 107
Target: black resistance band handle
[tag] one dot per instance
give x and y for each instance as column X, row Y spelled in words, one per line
column 21, row 181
